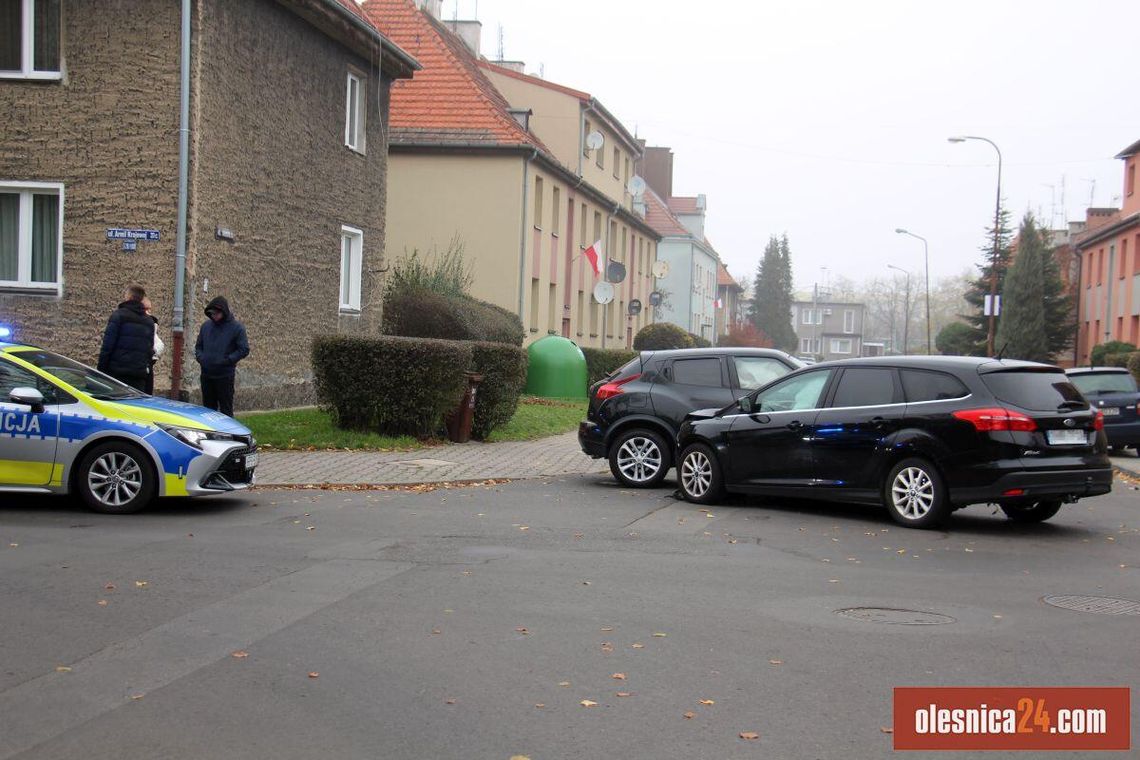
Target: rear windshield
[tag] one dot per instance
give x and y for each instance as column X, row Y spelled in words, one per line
column 1039, row 391
column 632, row 367
column 1100, row 383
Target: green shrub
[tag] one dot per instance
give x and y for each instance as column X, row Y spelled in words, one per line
column 1096, row 357
column 661, row 336
column 699, row 342
column 445, row 273
column 602, row 361
column 390, row 385
column 503, row 368
column 420, row 313
column 486, row 321
column 1134, row 364
column 1118, row 359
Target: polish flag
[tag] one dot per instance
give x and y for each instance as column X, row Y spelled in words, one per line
column 718, row 303
column 593, row 254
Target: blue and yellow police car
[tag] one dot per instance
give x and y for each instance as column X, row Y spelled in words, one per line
column 67, row 428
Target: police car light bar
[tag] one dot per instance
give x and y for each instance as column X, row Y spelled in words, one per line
column 5, row 331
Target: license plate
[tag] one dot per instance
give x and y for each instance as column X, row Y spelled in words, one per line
column 1109, row 411
column 251, row 461
column 1066, row 437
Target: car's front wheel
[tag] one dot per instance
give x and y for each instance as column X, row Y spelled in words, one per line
column 640, row 458
column 115, row 478
column 915, row 494
column 1035, row 512
column 699, row 475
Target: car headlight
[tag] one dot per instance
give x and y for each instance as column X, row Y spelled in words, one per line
column 193, row 437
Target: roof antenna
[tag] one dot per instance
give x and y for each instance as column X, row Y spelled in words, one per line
column 1002, row 351
column 501, row 56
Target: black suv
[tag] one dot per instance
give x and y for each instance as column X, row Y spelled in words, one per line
column 922, row 435
column 635, row 412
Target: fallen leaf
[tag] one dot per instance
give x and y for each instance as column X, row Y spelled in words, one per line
column 710, row 515
column 638, row 646
column 436, row 631
column 969, row 550
column 563, row 683
column 62, row 669
column 524, row 527
column 618, row 676
column 833, row 580
column 997, row 617
column 137, row 697
column 102, row 602
column 540, row 705
column 519, row 757
column 110, row 587
column 522, row 630
column 240, row 654
column 141, row 584
column 450, row 701
column 311, row 527
column 625, row 694
column 660, row 635
column 749, row 735
column 585, row 583
column 775, row 662
column 706, row 511
column 886, row 730
column 607, row 629
column 314, row 674
column 588, row 703
column 690, row 715
column 707, row 702
column 607, row 647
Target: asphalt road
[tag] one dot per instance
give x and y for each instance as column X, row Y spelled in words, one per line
column 472, row 623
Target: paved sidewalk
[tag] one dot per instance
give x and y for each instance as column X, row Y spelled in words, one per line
column 557, row 455
column 1127, row 463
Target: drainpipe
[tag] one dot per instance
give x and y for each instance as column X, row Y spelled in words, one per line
column 522, row 236
column 179, row 320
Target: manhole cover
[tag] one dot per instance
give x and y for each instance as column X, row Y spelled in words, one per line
column 1100, row 605
column 892, row 616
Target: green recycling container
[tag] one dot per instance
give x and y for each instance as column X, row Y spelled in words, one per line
column 556, row 368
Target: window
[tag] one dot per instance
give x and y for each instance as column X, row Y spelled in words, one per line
column 840, row 345
column 586, row 133
column 1120, row 263
column 538, row 202
column 31, row 239
column 354, row 113
column 848, row 321
column 1132, row 177
column 582, row 242
column 809, row 345
column 755, row 371
column 617, row 162
column 1039, row 391
column 813, row 316
column 12, row 377
column 600, row 158
column 554, row 205
column 865, row 387
column 704, row 372
column 1099, row 266
column 29, row 39
column 351, row 260
column 794, row 394
column 625, row 176
column 1089, row 270
column 919, row 385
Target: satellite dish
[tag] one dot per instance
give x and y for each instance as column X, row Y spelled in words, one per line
column 595, row 140
column 603, row 293
column 636, row 186
column 655, row 298
column 615, row 272
column 634, row 307
column 660, row 269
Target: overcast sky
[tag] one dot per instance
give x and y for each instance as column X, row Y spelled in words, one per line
column 828, row 120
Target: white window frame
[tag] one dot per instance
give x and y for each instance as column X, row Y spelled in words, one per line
column 809, row 345
column 355, row 268
column 812, row 316
column 28, row 49
column 837, row 342
column 23, row 281
column 354, row 127
column 849, row 319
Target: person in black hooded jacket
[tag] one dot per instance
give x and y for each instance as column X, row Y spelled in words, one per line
column 128, row 341
column 222, row 343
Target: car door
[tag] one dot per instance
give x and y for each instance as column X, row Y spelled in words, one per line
column 855, row 427
column 686, row 384
column 769, row 447
column 27, row 437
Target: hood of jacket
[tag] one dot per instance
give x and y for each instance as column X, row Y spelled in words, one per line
column 219, row 303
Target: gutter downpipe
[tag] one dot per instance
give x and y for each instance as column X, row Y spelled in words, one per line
column 178, row 326
column 522, row 235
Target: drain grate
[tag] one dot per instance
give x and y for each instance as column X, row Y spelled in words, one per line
column 891, row 616
column 1098, row 605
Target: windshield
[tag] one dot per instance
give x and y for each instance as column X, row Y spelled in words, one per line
column 1100, row 383
column 80, row 376
column 1035, row 390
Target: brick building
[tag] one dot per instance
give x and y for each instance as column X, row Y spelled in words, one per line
column 287, row 175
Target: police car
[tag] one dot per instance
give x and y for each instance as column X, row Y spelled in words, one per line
column 66, row 428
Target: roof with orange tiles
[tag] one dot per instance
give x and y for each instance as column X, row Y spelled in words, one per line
column 660, row 218
column 451, row 101
column 724, row 278
column 683, row 205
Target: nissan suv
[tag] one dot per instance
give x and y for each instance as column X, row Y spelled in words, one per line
column 635, row 412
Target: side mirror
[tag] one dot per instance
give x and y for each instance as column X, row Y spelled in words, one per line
column 746, row 404
column 28, row 397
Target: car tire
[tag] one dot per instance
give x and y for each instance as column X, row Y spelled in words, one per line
column 116, row 478
column 640, row 458
column 699, row 475
column 1038, row 511
column 915, row 495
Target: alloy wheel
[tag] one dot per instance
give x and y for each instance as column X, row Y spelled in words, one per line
column 115, row 479
column 912, row 493
column 639, row 459
column 696, row 474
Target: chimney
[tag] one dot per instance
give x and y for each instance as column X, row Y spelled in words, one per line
column 434, row 7
column 657, row 169
column 702, row 202
column 519, row 67
column 470, row 31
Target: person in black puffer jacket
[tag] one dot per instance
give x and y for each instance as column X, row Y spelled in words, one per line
column 222, row 343
column 128, row 341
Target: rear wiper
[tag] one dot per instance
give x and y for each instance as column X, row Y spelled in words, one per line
column 1073, row 405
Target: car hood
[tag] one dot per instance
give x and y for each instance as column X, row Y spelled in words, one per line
column 162, row 411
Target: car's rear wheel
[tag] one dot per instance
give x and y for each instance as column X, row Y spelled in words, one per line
column 699, row 475
column 115, row 478
column 640, row 458
column 1034, row 512
column 915, row 494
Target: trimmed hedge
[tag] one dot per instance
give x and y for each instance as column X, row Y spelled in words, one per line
column 661, row 336
column 1134, row 364
column 699, row 342
column 503, row 368
column 602, row 361
column 391, row 385
column 1096, row 356
column 1117, row 359
column 427, row 314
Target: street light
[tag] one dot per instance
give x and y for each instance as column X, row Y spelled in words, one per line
column 926, row 263
column 997, row 239
column 906, row 306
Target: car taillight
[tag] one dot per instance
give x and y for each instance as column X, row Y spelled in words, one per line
column 996, row 419
column 609, row 390
column 1098, row 421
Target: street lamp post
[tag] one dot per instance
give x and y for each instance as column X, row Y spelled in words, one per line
column 926, row 266
column 997, row 239
column 906, row 307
